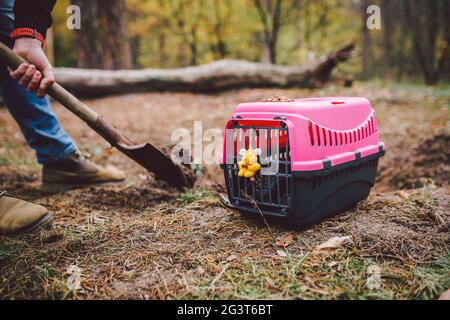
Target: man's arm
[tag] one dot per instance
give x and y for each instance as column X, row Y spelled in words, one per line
column 32, row 19
column 33, row 14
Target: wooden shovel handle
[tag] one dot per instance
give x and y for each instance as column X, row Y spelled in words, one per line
column 69, row 101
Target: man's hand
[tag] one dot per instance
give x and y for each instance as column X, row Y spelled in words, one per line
column 36, row 75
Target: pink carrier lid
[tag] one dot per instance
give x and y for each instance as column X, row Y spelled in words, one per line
column 331, row 129
column 339, row 113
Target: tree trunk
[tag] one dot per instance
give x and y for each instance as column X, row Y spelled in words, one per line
column 298, row 23
column 220, row 47
column 194, row 46
column 135, row 39
column 87, row 43
column 365, row 41
column 423, row 21
column 388, row 30
column 116, row 53
column 270, row 17
column 162, row 49
column 444, row 59
column 216, row 76
column 135, row 46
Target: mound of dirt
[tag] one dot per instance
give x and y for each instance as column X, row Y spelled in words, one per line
column 434, row 154
column 23, row 185
column 403, row 224
column 15, row 180
column 430, row 162
column 136, row 197
column 187, row 173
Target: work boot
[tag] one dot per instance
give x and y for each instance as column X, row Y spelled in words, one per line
column 19, row 216
column 76, row 170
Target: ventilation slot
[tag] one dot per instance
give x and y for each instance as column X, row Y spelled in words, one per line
column 320, row 136
column 311, row 133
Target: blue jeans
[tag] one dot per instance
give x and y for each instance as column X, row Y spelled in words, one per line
column 34, row 115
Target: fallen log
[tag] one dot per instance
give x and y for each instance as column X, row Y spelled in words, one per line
column 216, row 76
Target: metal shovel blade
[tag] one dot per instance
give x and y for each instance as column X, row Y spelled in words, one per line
column 156, row 162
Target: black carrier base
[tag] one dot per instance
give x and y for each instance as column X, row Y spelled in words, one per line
column 310, row 196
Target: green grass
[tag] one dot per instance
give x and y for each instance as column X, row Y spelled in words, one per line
column 433, row 279
column 4, row 161
column 340, row 275
column 14, row 154
column 11, row 248
column 193, row 196
column 400, row 88
column 77, row 235
column 44, row 270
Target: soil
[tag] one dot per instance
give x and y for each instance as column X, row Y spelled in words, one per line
column 187, row 172
column 428, row 162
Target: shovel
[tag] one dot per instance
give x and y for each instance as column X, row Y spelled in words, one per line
column 146, row 155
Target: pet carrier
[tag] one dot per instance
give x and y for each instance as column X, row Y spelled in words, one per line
column 301, row 160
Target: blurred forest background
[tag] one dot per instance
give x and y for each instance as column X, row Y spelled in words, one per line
column 413, row 44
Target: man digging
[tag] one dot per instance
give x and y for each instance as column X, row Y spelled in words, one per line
column 23, row 26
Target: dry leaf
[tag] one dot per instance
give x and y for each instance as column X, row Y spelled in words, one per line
column 143, row 176
column 334, row 243
column 270, row 282
column 284, row 241
column 73, row 280
column 232, row 257
column 332, row 264
column 392, row 198
column 282, row 253
column 402, row 194
column 445, row 295
column 200, row 270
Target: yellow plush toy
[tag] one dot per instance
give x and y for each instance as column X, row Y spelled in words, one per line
column 249, row 165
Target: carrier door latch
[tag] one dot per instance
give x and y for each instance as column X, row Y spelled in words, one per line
column 281, row 118
column 357, row 158
column 326, row 164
